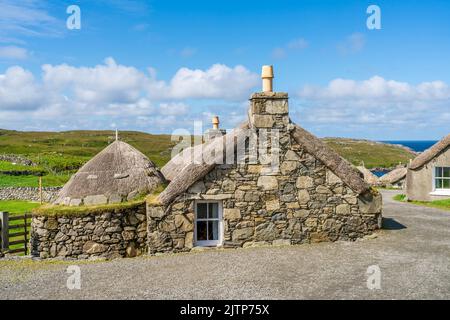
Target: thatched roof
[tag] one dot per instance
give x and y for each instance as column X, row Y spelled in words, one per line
column 431, row 153
column 369, row 177
column 340, row 167
column 194, row 154
column 190, row 170
column 393, row 176
column 184, row 174
column 118, row 173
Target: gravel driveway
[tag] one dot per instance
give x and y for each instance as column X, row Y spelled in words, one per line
column 412, row 252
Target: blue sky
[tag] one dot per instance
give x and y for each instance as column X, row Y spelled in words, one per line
column 157, row 66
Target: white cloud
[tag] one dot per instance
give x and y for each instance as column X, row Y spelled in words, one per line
column 13, row 53
column 375, row 104
column 19, row 91
column 107, row 83
column 352, row 44
column 378, row 88
column 217, row 82
column 173, row 109
column 66, row 96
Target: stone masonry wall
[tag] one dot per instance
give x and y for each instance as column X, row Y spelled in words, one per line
column 303, row 202
column 16, row 159
column 49, row 194
column 110, row 234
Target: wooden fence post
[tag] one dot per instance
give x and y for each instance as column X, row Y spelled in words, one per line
column 4, row 225
column 40, row 189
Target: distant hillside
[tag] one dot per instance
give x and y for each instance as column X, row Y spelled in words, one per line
column 373, row 154
column 75, row 147
column 66, row 151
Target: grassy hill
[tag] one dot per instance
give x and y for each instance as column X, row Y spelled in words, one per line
column 373, row 154
column 59, row 154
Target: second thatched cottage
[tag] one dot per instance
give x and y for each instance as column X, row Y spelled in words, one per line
column 428, row 176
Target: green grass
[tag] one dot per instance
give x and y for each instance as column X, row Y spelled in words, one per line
column 33, row 181
column 16, row 207
column 439, row 204
column 400, row 197
column 58, row 210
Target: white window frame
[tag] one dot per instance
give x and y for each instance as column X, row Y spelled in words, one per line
column 209, row 243
column 438, row 191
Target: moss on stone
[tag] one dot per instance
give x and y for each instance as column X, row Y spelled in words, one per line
column 59, row 210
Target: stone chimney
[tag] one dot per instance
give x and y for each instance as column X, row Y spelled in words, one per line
column 268, row 109
column 215, row 131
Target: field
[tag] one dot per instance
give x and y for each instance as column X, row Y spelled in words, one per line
column 58, row 155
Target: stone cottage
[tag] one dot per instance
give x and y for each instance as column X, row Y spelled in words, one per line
column 428, row 176
column 268, row 181
column 279, row 185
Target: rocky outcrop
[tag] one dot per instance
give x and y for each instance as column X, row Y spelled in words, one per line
column 110, row 234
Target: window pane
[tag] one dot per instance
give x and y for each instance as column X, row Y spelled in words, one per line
column 213, row 230
column 213, row 210
column 201, row 211
column 438, row 172
column 201, row 230
column 446, row 184
column 438, row 183
column 447, row 172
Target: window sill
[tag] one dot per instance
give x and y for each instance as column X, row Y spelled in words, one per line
column 203, row 248
column 440, row 193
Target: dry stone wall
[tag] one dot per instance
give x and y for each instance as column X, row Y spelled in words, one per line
column 49, row 194
column 110, row 234
column 16, row 159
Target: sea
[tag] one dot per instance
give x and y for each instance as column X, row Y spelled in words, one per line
column 415, row 145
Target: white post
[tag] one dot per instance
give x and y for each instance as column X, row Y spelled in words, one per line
column 4, row 222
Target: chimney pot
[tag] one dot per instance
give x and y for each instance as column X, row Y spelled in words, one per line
column 215, row 122
column 267, row 78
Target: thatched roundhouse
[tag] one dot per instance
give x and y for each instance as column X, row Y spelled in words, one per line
column 116, row 174
column 395, row 178
column 428, row 176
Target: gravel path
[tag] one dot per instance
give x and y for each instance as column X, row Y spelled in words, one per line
column 412, row 253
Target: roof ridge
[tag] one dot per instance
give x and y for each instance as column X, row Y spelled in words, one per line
column 426, row 156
